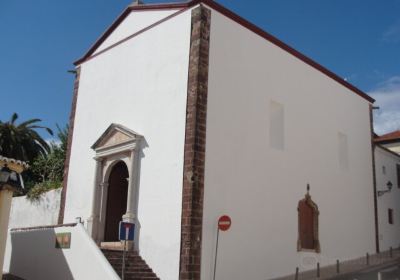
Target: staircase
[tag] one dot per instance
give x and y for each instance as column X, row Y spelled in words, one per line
column 135, row 267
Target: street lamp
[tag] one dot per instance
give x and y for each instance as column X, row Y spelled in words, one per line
column 10, row 177
column 10, row 181
column 389, row 188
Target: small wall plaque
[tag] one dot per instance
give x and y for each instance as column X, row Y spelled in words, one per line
column 63, row 240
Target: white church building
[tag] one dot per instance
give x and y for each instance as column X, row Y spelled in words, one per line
column 186, row 112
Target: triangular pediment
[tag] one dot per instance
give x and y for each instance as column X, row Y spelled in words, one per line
column 115, row 135
column 135, row 19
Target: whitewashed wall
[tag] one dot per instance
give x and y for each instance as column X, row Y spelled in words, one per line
column 134, row 22
column 389, row 234
column 395, row 147
column 142, row 85
column 259, row 186
column 32, row 255
column 27, row 213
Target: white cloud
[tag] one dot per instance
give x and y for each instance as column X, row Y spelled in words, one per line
column 392, row 34
column 54, row 141
column 387, row 96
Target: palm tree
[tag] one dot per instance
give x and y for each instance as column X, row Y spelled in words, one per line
column 21, row 141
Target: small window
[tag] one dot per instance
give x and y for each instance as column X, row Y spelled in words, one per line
column 276, row 126
column 384, row 169
column 343, row 149
column 398, row 175
column 390, row 216
column 308, row 225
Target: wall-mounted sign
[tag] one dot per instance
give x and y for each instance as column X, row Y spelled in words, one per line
column 63, row 240
column 224, row 223
column 126, row 231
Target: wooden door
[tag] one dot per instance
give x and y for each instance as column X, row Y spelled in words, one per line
column 116, row 200
column 306, row 226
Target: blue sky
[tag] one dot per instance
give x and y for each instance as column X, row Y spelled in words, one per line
column 357, row 39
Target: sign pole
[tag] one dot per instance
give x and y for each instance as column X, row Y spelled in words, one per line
column 216, row 253
column 224, row 224
column 126, row 233
column 124, row 252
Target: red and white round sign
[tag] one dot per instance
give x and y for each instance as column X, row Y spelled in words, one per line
column 224, row 223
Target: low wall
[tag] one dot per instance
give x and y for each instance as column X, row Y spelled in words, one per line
column 32, row 254
column 27, row 213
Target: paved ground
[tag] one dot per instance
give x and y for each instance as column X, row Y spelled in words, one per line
column 387, row 272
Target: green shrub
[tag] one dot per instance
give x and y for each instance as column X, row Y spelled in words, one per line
column 36, row 192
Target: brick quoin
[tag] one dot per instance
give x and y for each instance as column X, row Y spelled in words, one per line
column 195, row 143
column 69, row 145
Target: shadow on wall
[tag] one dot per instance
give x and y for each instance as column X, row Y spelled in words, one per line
column 34, row 256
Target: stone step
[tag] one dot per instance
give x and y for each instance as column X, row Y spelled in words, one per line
column 11, row 277
column 142, row 267
column 117, row 245
column 135, row 267
column 135, row 271
column 131, row 258
column 139, row 274
column 142, row 278
column 119, row 253
column 127, row 260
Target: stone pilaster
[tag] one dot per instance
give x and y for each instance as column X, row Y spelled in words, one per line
column 195, row 141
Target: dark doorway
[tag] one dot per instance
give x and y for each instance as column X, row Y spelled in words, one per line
column 116, row 200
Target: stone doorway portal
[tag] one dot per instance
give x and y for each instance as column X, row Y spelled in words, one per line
column 116, row 200
column 116, row 181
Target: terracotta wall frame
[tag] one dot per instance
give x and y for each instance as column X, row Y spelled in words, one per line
column 307, row 200
column 195, row 145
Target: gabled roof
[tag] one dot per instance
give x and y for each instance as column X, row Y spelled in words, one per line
column 125, row 13
column 231, row 15
column 115, row 134
column 391, row 137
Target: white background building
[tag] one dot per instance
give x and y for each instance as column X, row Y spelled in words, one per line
column 387, row 164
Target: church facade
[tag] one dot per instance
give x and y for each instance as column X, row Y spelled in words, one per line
column 186, row 112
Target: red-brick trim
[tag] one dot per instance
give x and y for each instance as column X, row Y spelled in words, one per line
column 371, row 121
column 87, row 58
column 195, row 145
column 68, row 156
column 308, row 201
column 42, row 227
column 391, row 137
column 125, row 13
column 245, row 23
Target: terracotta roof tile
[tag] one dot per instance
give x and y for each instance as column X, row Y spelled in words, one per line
column 389, row 137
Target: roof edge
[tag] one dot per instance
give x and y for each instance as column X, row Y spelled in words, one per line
column 387, row 150
column 238, row 19
column 386, row 141
column 123, row 15
column 269, row 37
